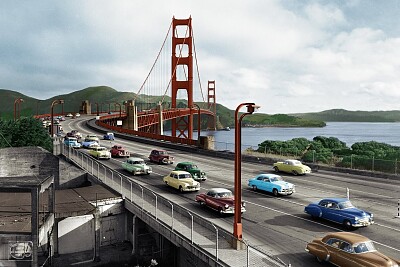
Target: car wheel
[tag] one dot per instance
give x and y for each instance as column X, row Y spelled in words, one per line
column 295, row 173
column 181, row 189
column 347, row 224
column 98, row 157
column 202, row 203
column 275, row 192
column 276, row 169
column 133, row 172
column 166, row 182
column 254, row 187
column 220, row 211
column 318, row 259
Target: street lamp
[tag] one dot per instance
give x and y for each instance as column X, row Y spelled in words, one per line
column 55, row 102
column 198, row 123
column 17, row 102
column 237, row 223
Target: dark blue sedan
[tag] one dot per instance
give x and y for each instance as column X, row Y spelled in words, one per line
column 340, row 210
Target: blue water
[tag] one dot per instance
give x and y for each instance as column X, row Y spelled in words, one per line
column 348, row 132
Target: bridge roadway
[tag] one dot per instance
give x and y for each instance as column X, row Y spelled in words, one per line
column 276, row 224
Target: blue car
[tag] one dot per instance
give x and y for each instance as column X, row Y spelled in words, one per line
column 109, row 136
column 271, row 183
column 340, row 210
column 88, row 143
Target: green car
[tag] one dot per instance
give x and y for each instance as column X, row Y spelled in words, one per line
column 192, row 168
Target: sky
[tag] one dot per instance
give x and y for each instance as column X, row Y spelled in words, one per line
column 286, row 56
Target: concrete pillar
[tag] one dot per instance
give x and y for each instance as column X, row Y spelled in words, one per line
column 160, row 119
column 97, row 224
column 55, row 236
column 35, row 225
column 135, row 118
column 134, row 234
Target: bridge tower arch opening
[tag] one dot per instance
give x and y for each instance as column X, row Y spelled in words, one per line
column 182, row 74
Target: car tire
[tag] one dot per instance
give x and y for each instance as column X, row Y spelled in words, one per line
column 166, row 182
column 220, row 211
column 347, row 224
column 276, row 169
column 295, row 173
column 275, row 192
column 202, row 203
column 98, row 157
column 181, row 189
column 254, row 188
column 318, row 259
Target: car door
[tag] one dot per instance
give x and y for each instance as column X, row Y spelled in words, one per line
column 210, row 200
column 331, row 212
column 266, row 184
column 345, row 255
column 333, row 245
column 286, row 167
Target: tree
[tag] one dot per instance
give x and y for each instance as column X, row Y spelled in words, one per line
column 26, row 131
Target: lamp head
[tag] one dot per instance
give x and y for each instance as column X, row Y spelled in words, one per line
column 251, row 108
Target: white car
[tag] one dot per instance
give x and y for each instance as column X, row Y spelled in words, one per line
column 69, row 115
column 77, row 115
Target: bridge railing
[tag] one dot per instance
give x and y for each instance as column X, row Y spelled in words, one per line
column 207, row 236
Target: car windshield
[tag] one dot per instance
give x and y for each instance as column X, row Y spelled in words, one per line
column 101, row 149
column 367, row 246
column 345, row 205
column 138, row 162
column 88, row 140
column 276, row 179
column 162, row 152
column 224, row 194
column 185, row 175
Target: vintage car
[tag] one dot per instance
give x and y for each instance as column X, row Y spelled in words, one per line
column 349, row 249
column 109, row 136
column 219, row 199
column 136, row 166
column 340, row 210
column 271, row 183
column 77, row 115
column 100, row 152
column 161, row 157
column 75, row 133
column 119, row 151
column 88, row 143
column 92, row 137
column 291, row 166
column 192, row 168
column 69, row 115
column 72, row 142
column 181, row 180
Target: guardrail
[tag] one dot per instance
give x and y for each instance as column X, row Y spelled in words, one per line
column 209, row 238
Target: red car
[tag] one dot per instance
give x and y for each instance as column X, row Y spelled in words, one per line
column 219, row 199
column 119, row 151
column 161, row 157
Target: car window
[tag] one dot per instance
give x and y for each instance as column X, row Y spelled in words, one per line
column 323, row 203
column 175, row 176
column 266, row 180
column 364, row 247
column 346, row 247
column 276, row 179
column 334, row 242
column 260, row 178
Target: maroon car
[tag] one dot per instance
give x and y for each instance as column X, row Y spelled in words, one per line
column 161, row 157
column 219, row 199
column 119, row 151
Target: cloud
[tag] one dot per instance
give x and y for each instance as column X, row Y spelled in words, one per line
column 290, row 56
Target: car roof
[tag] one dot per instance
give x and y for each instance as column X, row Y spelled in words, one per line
column 135, row 159
column 180, row 172
column 186, row 162
column 335, row 199
column 269, row 175
column 97, row 147
column 349, row 237
column 219, row 190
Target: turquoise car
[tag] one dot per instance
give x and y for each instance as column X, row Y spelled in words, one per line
column 271, row 183
column 72, row 142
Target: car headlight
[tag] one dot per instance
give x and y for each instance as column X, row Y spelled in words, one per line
column 356, row 218
column 371, row 215
column 244, row 204
column 226, row 206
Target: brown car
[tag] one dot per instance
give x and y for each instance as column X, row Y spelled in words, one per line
column 161, row 157
column 348, row 249
column 219, row 199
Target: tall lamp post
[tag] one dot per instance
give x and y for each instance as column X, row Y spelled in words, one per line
column 198, row 123
column 55, row 102
column 17, row 111
column 237, row 223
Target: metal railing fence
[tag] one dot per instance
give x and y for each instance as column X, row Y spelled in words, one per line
column 207, row 236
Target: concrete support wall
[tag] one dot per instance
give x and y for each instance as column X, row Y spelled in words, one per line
column 76, row 228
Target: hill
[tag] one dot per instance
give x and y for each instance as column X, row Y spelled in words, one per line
column 105, row 96
column 352, row 116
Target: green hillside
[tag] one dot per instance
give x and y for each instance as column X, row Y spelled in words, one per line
column 352, row 116
column 106, row 97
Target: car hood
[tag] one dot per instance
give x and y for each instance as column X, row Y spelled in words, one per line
column 377, row 258
column 356, row 212
column 283, row 184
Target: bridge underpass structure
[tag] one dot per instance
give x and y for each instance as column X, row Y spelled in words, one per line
column 168, row 93
column 197, row 239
